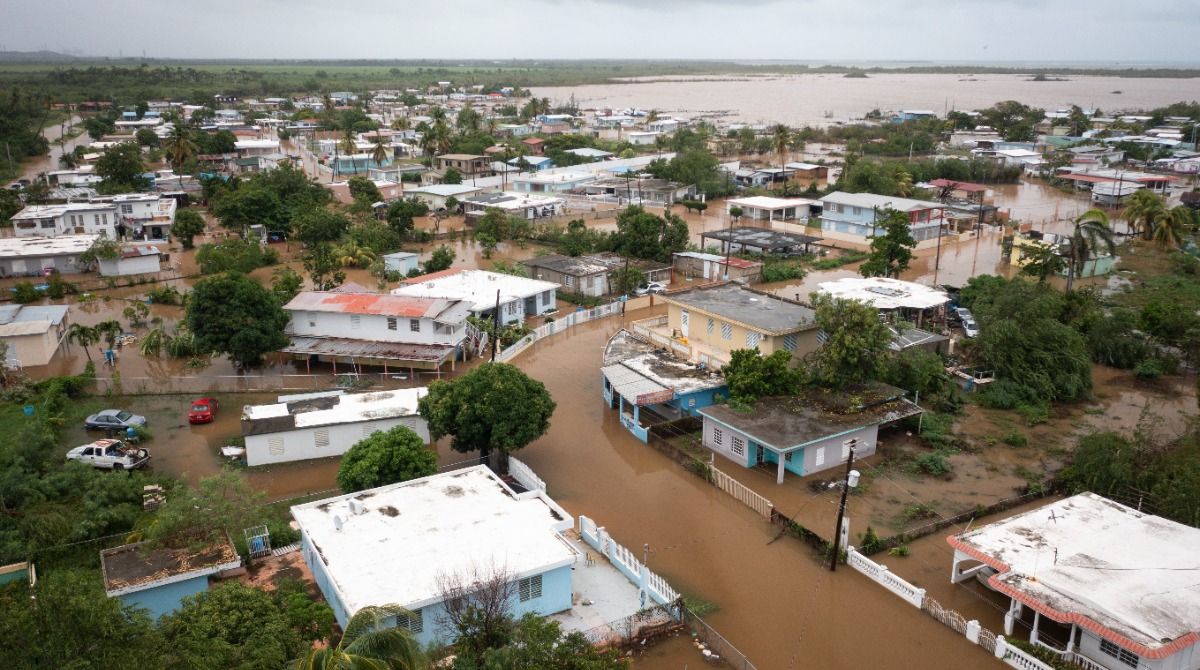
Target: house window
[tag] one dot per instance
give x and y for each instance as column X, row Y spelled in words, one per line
column 787, row 458
column 717, row 436
column 726, row 331
column 275, row 446
column 127, row 209
column 391, row 323
column 567, row 279
column 545, row 297
column 683, row 320
column 414, row 325
column 752, row 339
column 321, row 437
column 1126, row 657
column 739, row 446
column 530, row 588
column 355, row 321
column 709, row 327
column 819, row 457
column 412, row 622
column 791, row 341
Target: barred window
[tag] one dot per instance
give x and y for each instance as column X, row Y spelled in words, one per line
column 717, row 436
column 726, row 331
column 752, row 339
column 711, row 323
column 414, row 325
column 739, row 446
column 413, row 622
column 791, row 341
column 1127, row 657
column 391, row 323
column 530, row 588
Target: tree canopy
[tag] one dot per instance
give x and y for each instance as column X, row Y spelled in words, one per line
column 188, row 224
column 385, row 457
column 751, row 376
column 120, row 169
column 234, row 314
column 856, row 341
column 641, row 234
column 891, row 247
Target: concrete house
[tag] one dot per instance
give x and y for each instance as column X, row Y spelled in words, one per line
column 713, row 267
column 139, row 259
column 401, row 261
column 1099, row 583
column 159, row 579
column 808, row 433
column 31, row 256
column 713, row 321
column 468, row 165
column 763, row 208
column 521, row 205
column 146, row 214
column 577, row 274
column 481, row 291
column 557, row 182
column 638, row 190
column 435, row 195
column 76, row 218
column 33, row 333
column 357, row 327
column 853, row 217
column 319, row 425
column 453, row 525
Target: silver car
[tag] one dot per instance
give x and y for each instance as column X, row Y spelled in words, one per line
column 113, row 420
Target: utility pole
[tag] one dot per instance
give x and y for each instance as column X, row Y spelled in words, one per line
column 496, row 327
column 837, row 531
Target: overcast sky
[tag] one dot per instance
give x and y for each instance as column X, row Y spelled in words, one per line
column 1107, row 31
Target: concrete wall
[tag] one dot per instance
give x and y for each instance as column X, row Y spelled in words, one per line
column 31, row 266
column 1089, row 645
column 830, row 453
column 401, row 265
column 300, row 444
column 137, row 265
column 30, row 350
column 373, row 327
column 165, row 599
column 321, row 576
column 594, row 285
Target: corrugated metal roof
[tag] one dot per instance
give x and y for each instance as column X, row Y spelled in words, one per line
column 441, row 309
column 394, row 351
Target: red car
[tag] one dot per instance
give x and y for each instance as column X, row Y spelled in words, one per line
column 203, row 410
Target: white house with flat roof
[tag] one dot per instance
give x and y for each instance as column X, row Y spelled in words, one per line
column 136, row 259
column 399, row 544
column 321, row 425
column 526, row 206
column 1109, row 587
column 98, row 218
column 517, row 297
column 435, row 195
column 32, row 256
column 147, row 214
column 765, row 208
column 33, row 333
column 550, row 182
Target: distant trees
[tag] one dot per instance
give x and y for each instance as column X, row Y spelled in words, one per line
column 1014, row 121
column 641, row 234
column 233, row 314
column 385, row 457
column 891, row 252
column 121, row 169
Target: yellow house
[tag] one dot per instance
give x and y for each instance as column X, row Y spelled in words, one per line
column 713, row 321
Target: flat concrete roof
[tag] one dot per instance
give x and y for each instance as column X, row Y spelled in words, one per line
column 408, row 536
column 1126, row 576
column 477, row 287
column 760, row 311
column 869, row 200
column 575, row 266
column 766, row 239
column 59, row 245
column 130, row 568
column 767, row 202
column 330, row 410
column 885, row 293
column 787, row 423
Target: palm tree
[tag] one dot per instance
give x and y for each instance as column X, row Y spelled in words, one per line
column 781, row 140
column 179, row 146
column 350, row 146
column 1144, row 209
column 1091, row 234
column 1171, row 226
column 379, row 153
column 351, row 254
column 367, row 645
column 84, row 336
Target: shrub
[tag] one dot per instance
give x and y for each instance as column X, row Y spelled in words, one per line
column 933, row 463
column 1014, row 438
column 899, row 551
column 918, row 511
column 1148, row 369
column 24, row 293
column 870, row 542
column 1034, row 413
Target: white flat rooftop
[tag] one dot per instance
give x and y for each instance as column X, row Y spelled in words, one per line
column 766, row 202
column 20, row 247
column 885, row 293
column 346, row 408
column 869, row 200
column 445, row 525
column 475, row 286
column 1129, row 575
column 54, row 211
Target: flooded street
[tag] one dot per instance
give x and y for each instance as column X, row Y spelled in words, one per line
column 820, row 99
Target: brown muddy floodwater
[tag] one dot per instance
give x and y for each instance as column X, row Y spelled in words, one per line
column 820, row 99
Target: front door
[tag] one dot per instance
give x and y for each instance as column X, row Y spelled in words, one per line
column 758, row 454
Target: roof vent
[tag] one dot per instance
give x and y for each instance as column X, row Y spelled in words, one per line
column 356, row 507
column 337, row 522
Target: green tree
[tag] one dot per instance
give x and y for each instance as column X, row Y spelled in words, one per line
column 323, row 266
column 188, row 224
column 538, row 643
column 751, row 376
column 120, row 169
column 441, row 259
column 1105, row 463
column 494, row 407
column 1014, row 121
column 234, row 314
column 285, row 284
column 856, row 341
column 236, row 255
column 624, row 280
column 396, row 455
column 250, row 205
column 320, row 225
column 369, row 642
column 1090, row 236
column 147, row 138
column 452, row 176
column 179, row 147
column 401, row 213
column 1042, row 262
column 363, row 189
column 1171, row 230
column 1144, row 211
column 84, row 336
column 891, row 252
column 781, row 141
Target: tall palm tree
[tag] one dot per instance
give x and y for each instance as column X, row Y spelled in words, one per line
column 1143, row 210
column 781, row 140
column 1091, row 234
column 379, row 153
column 179, row 146
column 350, row 146
column 367, row 645
column 84, row 336
column 1171, row 227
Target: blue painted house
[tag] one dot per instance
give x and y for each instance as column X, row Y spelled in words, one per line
column 534, row 163
column 648, row 385
column 159, row 579
column 400, row 545
column 807, row 433
column 854, row 217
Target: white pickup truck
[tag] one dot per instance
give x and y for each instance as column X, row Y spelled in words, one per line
column 111, row 455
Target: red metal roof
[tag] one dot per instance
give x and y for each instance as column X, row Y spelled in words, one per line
column 742, row 263
column 361, row 303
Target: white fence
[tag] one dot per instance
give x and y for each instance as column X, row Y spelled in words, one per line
column 655, row 586
column 566, row 322
column 525, row 475
column 880, row 573
column 742, row 493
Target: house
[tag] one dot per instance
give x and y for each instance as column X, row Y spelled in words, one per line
column 454, row 526
column 435, row 195
column 535, row 163
column 95, row 218
column 913, row 302
column 712, row 267
column 763, row 208
column 590, row 154
column 653, row 271
column 158, row 579
column 913, row 115
column 713, row 321
column 482, row 291
column 641, row 138
column 319, row 425
column 32, row 333
column 1105, row 586
column 468, row 165
column 249, row 148
column 577, row 274
column 1096, row 154
column 146, row 215
column 32, row 256
column 1114, row 194
column 1086, row 179
column 401, row 261
column 535, row 145
column 760, row 240
column 637, row 190
column 808, row 433
column 558, row 182
column 353, row 326
column 521, row 205
column 139, row 259
column 649, row 385
column 807, row 174
column 1029, row 246
column 853, row 217
column 960, row 190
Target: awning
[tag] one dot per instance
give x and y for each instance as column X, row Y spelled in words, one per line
column 634, row 387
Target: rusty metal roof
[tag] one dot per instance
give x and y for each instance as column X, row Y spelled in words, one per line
column 393, row 351
column 446, row 310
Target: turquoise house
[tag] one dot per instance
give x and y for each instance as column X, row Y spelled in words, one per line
column 427, row 542
column 159, row 579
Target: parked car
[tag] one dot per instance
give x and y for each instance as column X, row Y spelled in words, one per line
column 203, row 410
column 651, row 287
column 970, row 328
column 114, row 419
column 110, row 455
column 962, row 314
